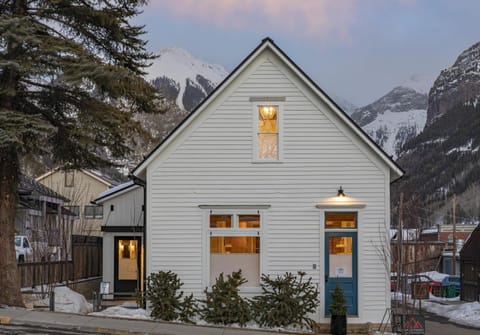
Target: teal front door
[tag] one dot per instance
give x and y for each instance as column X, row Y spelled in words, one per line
column 341, row 268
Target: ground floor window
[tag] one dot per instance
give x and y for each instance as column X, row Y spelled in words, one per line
column 234, row 240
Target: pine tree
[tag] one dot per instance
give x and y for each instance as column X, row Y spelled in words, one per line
column 223, row 304
column 338, row 303
column 286, row 300
column 70, row 80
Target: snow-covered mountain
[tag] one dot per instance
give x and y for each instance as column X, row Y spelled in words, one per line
column 344, row 104
column 186, row 80
column 420, row 82
column 456, row 85
column 395, row 118
column 444, row 158
column 183, row 78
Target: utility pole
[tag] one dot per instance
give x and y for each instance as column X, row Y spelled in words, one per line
column 400, row 279
column 454, row 256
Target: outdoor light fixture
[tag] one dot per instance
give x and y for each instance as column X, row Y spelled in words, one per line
column 340, row 193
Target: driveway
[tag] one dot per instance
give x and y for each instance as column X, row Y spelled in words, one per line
column 437, row 325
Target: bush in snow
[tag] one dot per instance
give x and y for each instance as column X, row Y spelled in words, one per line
column 166, row 302
column 286, row 301
column 223, row 304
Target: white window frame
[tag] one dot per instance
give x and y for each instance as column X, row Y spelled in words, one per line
column 234, row 231
column 256, row 104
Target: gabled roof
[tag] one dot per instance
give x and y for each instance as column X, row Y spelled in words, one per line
column 29, row 186
column 107, row 181
column 268, row 43
column 115, row 192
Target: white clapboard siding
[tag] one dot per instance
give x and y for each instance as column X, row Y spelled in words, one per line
column 127, row 209
column 212, row 164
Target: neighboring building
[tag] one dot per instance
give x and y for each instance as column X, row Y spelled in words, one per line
column 470, row 267
column 81, row 187
column 249, row 181
column 42, row 218
column 122, row 238
column 444, row 232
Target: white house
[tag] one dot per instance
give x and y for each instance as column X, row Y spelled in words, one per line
column 123, row 233
column 249, row 180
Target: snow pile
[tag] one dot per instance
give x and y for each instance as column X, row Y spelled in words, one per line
column 67, row 301
column 467, row 314
column 124, row 312
column 462, row 313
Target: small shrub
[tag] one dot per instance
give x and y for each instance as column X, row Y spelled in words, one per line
column 188, row 310
column 223, row 304
column 286, row 301
column 166, row 301
column 338, row 305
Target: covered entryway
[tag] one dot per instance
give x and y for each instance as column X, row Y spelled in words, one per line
column 341, row 258
column 127, row 264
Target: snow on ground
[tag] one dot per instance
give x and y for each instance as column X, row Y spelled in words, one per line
column 124, row 312
column 67, row 301
column 467, row 314
column 462, row 313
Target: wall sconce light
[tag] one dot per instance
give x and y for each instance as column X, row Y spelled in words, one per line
column 340, row 193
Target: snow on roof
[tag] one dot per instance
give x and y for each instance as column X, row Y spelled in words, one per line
column 408, row 234
column 115, row 189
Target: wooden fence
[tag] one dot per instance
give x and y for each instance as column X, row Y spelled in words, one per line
column 87, row 255
column 42, row 273
column 86, row 263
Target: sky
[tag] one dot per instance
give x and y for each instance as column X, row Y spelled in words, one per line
column 354, row 49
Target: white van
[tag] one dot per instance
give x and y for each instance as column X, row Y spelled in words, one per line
column 23, row 249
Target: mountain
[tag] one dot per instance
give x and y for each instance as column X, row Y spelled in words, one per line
column 183, row 78
column 456, row 85
column 344, row 104
column 394, row 119
column 444, row 159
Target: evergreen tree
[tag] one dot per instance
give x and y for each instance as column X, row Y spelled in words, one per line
column 166, row 301
column 338, row 303
column 286, row 300
column 223, row 303
column 70, row 80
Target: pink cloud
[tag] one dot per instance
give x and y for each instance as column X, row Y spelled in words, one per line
column 303, row 18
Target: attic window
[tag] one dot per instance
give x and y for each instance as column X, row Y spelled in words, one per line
column 69, row 178
column 267, row 132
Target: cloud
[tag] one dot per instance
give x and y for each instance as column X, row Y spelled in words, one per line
column 301, row 18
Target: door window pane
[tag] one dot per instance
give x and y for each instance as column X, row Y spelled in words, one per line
column 340, row 256
column 127, row 259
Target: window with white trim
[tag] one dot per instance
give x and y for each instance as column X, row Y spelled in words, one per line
column 268, row 132
column 234, row 244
